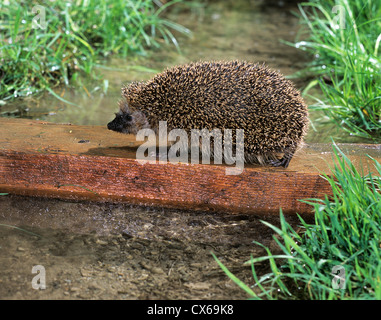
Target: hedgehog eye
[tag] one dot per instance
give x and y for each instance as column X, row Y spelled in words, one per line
column 127, row 117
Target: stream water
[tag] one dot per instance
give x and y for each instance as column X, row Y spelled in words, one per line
column 115, row 251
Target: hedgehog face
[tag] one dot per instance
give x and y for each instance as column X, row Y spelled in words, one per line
column 128, row 122
column 121, row 123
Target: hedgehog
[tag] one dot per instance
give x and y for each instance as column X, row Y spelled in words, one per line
column 223, row 95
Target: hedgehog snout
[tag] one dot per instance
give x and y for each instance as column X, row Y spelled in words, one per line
column 120, row 123
column 112, row 126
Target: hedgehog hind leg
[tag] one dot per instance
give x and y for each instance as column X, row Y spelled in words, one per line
column 283, row 162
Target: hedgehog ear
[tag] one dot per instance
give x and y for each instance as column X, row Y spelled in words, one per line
column 123, row 106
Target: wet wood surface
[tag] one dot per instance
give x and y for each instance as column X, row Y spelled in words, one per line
column 92, row 163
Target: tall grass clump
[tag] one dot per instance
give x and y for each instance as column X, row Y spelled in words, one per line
column 344, row 38
column 345, row 238
column 47, row 43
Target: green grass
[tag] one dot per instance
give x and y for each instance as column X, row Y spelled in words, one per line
column 20, row 229
column 347, row 61
column 346, row 233
column 77, row 35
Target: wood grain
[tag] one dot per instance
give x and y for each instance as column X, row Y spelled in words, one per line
column 92, row 163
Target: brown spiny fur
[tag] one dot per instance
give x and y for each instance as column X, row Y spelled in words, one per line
column 219, row 94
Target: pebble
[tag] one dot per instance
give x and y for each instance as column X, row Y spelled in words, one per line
column 94, row 286
column 101, row 242
column 86, row 273
column 198, row 285
column 157, row 270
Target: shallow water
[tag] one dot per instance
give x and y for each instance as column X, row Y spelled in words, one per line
column 118, row 251
column 113, row 251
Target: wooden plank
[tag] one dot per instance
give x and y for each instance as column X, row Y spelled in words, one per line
column 92, row 163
